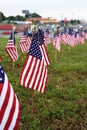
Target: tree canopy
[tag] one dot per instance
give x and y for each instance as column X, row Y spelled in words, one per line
column 18, row 17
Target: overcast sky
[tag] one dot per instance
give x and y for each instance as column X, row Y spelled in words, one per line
column 60, row 9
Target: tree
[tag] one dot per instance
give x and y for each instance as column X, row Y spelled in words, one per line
column 73, row 22
column 11, row 18
column 2, row 17
column 35, row 15
column 19, row 18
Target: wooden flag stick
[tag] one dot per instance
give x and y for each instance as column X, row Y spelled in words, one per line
column 69, row 48
column 13, row 29
column 55, row 49
column 38, row 36
column 55, row 54
column 32, row 109
column 13, row 65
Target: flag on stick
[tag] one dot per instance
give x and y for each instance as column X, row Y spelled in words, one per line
column 34, row 72
column 11, row 49
column 56, row 43
column 46, row 38
column 24, row 43
column 9, row 104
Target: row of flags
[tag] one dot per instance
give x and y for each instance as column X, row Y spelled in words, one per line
column 72, row 37
column 11, row 48
column 24, row 44
column 34, row 72
column 36, row 51
column 33, row 75
column 69, row 37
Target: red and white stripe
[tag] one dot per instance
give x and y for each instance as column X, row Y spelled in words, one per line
column 46, row 38
column 34, row 74
column 70, row 40
column 11, row 50
column 9, row 107
column 24, row 43
column 56, row 43
column 62, row 38
column 44, row 54
column 81, row 40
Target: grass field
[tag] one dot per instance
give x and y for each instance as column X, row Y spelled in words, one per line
column 64, row 105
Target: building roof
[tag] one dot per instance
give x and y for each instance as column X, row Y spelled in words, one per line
column 43, row 20
column 6, row 27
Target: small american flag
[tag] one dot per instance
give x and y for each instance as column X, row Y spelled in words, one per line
column 24, row 43
column 70, row 39
column 81, row 38
column 56, row 43
column 62, row 37
column 34, row 72
column 11, row 49
column 9, row 104
column 46, row 38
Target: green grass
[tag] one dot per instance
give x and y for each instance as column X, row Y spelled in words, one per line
column 64, row 105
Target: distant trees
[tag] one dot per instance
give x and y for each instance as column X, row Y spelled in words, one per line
column 10, row 19
column 74, row 21
column 17, row 17
column 32, row 15
column 35, row 15
column 2, row 17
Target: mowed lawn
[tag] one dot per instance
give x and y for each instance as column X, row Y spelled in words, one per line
column 64, row 105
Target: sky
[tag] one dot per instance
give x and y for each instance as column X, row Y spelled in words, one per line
column 59, row 9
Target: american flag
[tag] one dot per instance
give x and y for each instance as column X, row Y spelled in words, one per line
column 70, row 39
column 11, row 49
column 9, row 104
column 56, row 43
column 24, row 42
column 81, row 38
column 85, row 34
column 46, row 38
column 62, row 37
column 34, row 72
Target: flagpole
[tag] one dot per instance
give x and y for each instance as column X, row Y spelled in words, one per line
column 55, row 49
column 69, row 48
column 38, row 36
column 32, row 100
column 32, row 109
column 13, row 64
column 13, row 29
column 55, row 54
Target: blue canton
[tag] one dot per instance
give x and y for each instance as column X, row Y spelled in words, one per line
column 34, row 48
column 12, row 37
column 2, row 76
